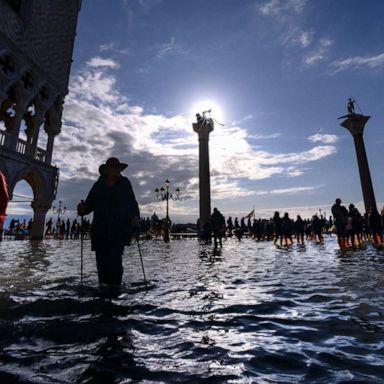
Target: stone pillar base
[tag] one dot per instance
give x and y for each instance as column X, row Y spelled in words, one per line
column 40, row 209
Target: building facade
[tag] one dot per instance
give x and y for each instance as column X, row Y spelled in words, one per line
column 36, row 45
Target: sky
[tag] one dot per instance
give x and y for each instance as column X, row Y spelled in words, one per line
column 276, row 73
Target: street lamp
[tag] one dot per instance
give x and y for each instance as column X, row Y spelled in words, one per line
column 163, row 194
column 60, row 210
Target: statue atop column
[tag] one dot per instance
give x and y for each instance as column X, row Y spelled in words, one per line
column 355, row 124
column 204, row 124
column 351, row 106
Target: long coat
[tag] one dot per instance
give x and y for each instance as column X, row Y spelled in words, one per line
column 3, row 199
column 113, row 209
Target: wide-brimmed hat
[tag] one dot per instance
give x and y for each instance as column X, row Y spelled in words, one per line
column 113, row 162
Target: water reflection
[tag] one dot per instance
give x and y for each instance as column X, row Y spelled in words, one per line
column 246, row 313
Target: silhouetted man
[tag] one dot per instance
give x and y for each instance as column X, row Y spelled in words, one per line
column 218, row 226
column 115, row 218
column 340, row 214
column 375, row 226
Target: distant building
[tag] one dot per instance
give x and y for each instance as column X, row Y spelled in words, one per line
column 36, row 45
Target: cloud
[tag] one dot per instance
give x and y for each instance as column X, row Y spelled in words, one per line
column 305, row 38
column 357, row 62
column 292, row 190
column 279, row 8
column 291, row 34
column 170, row 48
column 264, row 136
column 323, row 138
column 284, row 191
column 111, row 47
column 319, row 54
column 100, row 62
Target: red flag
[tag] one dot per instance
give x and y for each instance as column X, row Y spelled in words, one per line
column 3, row 199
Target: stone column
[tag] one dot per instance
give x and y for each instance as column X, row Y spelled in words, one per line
column 40, row 209
column 48, row 157
column 355, row 124
column 36, row 122
column 203, row 129
column 13, row 130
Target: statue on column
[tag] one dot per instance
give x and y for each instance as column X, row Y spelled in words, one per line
column 204, row 118
column 351, row 106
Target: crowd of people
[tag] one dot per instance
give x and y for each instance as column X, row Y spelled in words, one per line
column 61, row 229
column 351, row 227
column 282, row 230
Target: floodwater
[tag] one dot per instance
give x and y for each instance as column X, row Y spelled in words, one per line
column 251, row 313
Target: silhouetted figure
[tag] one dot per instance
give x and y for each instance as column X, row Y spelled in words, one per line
column 49, row 226
column 255, row 228
column 115, row 219
column 317, row 229
column 299, row 228
column 340, row 215
column 230, row 226
column 238, row 232
column 218, row 227
column 286, row 223
column 354, row 228
column 278, row 228
column 206, row 234
column 375, row 226
column 242, row 224
column 351, row 106
column 67, row 229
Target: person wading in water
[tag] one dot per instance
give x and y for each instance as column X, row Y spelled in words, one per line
column 340, row 214
column 115, row 219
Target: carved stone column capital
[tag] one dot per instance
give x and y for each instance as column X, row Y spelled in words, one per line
column 41, row 205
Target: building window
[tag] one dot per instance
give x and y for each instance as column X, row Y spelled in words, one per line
column 15, row 5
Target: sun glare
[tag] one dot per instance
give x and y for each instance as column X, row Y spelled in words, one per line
column 206, row 105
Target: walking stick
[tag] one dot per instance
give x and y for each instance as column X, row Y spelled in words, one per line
column 142, row 263
column 82, row 250
column 81, row 247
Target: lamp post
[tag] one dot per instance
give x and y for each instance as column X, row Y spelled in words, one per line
column 163, row 194
column 60, row 210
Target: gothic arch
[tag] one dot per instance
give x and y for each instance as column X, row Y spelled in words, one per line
column 36, row 180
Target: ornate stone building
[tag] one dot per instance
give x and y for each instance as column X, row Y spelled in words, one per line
column 36, row 44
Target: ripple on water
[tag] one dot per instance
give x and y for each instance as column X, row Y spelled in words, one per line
column 249, row 313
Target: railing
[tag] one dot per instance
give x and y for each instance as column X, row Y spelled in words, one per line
column 24, row 148
column 40, row 154
column 21, row 146
column 2, row 137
